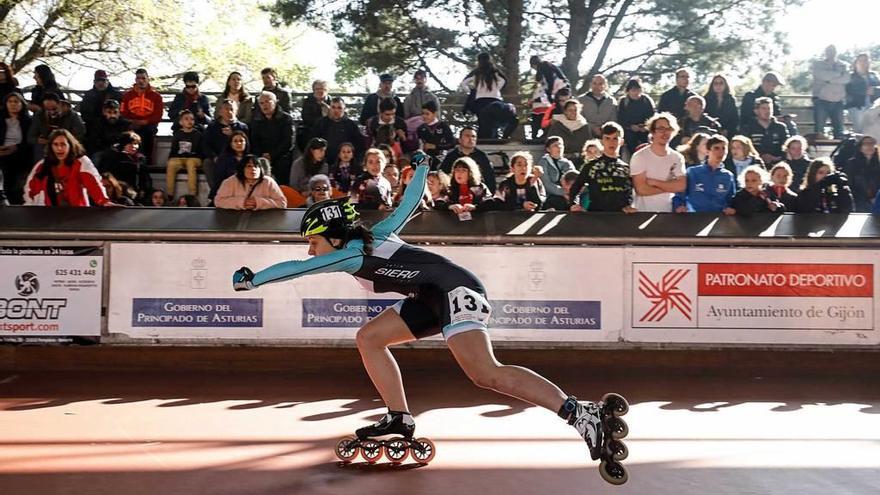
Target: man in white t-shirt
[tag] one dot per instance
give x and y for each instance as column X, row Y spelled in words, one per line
column 657, row 170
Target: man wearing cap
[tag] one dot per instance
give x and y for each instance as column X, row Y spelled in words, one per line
column 143, row 106
column 769, row 83
column 673, row 100
column 92, row 105
column 371, row 104
column 104, row 134
column 415, row 101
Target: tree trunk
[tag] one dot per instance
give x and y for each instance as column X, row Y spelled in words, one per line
column 513, row 40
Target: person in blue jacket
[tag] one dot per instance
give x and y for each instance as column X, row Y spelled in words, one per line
column 710, row 187
column 442, row 298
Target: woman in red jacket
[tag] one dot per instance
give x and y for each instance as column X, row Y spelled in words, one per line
column 66, row 177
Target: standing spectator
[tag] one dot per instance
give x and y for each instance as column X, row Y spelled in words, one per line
column 598, row 106
column 270, row 84
column 217, row 135
column 371, row 191
column 371, row 105
column 226, row 163
column 467, row 191
column 755, row 195
column 319, row 189
column 438, row 188
column 186, row 152
column 696, row 120
column 91, row 108
column 66, row 177
column 345, row 169
column 657, row 170
column 336, row 128
column 633, row 110
column 695, row 151
column 553, row 166
column 15, row 153
column 190, row 99
column 721, row 105
column 127, row 164
column 521, row 190
column 862, row 90
column 538, row 104
column 780, row 187
column 710, row 187
column 467, row 146
column 742, row 155
column 549, row 76
column 497, row 116
column 45, row 79
column 242, row 103
column 387, row 127
column 143, row 107
column 607, row 178
column 829, row 92
column 54, row 115
column 824, row 190
column 767, row 134
column 314, row 107
column 106, row 131
column 311, row 163
column 795, row 155
column 863, row 171
column 251, row 188
column 673, row 100
column 273, row 136
column 435, row 135
column 574, row 130
column 416, row 99
column 8, row 82
column 767, row 89
column 485, row 83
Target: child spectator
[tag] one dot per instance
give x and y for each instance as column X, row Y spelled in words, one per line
column 319, row 189
column 781, row 179
column 251, row 188
column 392, row 175
column 125, row 161
column 742, row 155
column 755, row 197
column 345, row 170
column 607, row 178
column 438, row 188
column 553, row 166
column 311, row 163
column 188, row 201
column 710, row 187
column 467, row 191
column 592, row 150
column 520, row 190
column 186, row 152
column 795, row 155
column 66, row 177
column 118, row 192
column 435, row 135
column 370, row 190
column 226, row 164
column 695, row 151
column 567, row 182
column 158, row 198
column 824, row 190
column 555, row 108
column 539, row 104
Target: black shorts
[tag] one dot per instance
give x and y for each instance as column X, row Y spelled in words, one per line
column 434, row 311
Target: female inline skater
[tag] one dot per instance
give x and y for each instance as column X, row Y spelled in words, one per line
column 441, row 298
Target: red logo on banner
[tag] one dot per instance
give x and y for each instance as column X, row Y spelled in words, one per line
column 665, row 295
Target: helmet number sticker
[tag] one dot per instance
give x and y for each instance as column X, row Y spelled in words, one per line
column 468, row 305
column 331, row 212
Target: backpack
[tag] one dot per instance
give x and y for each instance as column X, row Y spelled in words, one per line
column 846, row 150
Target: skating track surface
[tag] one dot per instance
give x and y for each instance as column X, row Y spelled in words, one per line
column 240, row 431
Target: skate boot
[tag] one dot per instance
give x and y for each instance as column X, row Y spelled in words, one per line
column 599, row 424
column 242, row 279
column 392, row 436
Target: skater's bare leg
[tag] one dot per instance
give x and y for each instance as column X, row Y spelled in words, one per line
column 373, row 340
column 473, row 351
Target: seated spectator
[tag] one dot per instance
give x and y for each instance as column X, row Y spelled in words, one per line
column 319, row 189
column 226, row 165
column 91, row 108
column 390, row 153
column 8, row 82
column 158, row 198
column 755, row 196
column 695, row 120
column 314, row 107
column 251, row 188
column 372, row 191
column 863, row 171
column 520, row 190
column 419, row 96
column 371, row 107
column 695, row 151
column 270, row 84
column 795, row 155
column 273, row 135
column 188, row 201
column 125, row 162
column 767, row 89
column 592, row 150
column 216, row 137
column 345, row 169
column 721, row 105
column 862, row 90
column 15, row 154
column 118, row 192
column 568, row 180
column 467, row 146
column 674, row 99
column 66, row 177
column 190, row 99
column 311, row 163
column 467, row 191
column 54, row 115
column 553, row 166
column 780, row 187
column 573, row 128
column 105, row 133
column 598, row 106
column 742, row 155
column 438, row 188
column 435, row 135
column 657, row 170
column 607, row 178
column 336, row 128
column 633, row 110
column 186, row 152
column 497, row 116
column 45, row 84
column 392, row 175
column 767, row 134
column 555, row 108
column 242, row 102
column 710, row 187
column 143, row 107
column 387, row 127
column 824, row 190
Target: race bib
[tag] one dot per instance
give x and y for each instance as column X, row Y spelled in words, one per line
column 468, row 305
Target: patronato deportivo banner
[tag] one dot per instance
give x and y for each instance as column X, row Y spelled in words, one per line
column 752, row 295
column 50, row 291
column 536, row 294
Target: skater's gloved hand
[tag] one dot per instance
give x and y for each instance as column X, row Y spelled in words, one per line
column 242, row 279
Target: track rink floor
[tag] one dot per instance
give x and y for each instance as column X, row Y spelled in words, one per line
column 244, row 432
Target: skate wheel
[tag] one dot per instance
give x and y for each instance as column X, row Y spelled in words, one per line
column 423, row 450
column 617, row 427
column 613, row 472
column 371, row 451
column 397, row 450
column 347, row 449
column 615, row 404
column 618, row 450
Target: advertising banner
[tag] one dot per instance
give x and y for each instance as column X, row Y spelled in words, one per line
column 50, row 291
column 796, row 296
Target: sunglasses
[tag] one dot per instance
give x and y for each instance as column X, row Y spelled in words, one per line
column 320, row 189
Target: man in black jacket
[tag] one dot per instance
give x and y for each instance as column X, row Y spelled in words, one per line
column 337, row 128
column 91, row 108
column 273, row 134
column 766, row 90
column 674, row 99
column 371, row 104
column 767, row 134
column 467, row 146
column 105, row 133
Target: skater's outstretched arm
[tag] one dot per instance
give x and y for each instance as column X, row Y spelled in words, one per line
column 348, row 260
column 412, row 197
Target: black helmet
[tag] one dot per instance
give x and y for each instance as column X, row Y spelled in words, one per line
column 329, row 218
